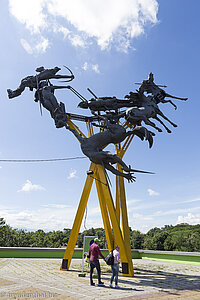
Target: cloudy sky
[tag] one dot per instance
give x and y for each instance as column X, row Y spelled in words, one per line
column 109, row 45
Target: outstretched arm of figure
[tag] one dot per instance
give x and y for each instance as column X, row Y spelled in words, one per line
column 57, row 87
column 128, row 176
column 179, row 98
column 63, row 76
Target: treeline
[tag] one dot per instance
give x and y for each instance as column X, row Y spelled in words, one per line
column 182, row 237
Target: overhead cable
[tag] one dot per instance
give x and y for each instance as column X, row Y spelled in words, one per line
column 39, row 160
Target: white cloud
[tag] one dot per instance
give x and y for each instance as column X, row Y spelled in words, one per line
column 175, row 211
column 191, row 219
column 152, row 192
column 191, row 200
column 86, row 66
column 142, row 217
column 94, row 211
column 27, row 47
column 106, row 22
column 133, row 201
column 72, row 174
column 35, row 45
column 46, row 219
column 42, row 45
column 76, row 40
column 49, row 217
column 96, row 68
column 65, row 31
column 52, row 205
column 28, row 187
column 0, row 167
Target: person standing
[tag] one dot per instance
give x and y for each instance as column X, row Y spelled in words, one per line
column 115, row 267
column 94, row 253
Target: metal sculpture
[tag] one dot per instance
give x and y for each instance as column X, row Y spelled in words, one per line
column 102, row 104
column 148, row 109
column 113, row 134
column 45, row 95
column 147, row 106
column 105, row 114
column 32, row 82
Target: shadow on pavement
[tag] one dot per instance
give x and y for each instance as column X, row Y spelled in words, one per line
column 163, row 280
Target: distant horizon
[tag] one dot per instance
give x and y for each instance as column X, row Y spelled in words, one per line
column 46, row 231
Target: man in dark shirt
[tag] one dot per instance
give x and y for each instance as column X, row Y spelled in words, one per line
column 94, row 253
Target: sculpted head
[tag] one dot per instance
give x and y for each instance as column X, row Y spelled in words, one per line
column 57, row 69
column 83, row 104
column 43, row 83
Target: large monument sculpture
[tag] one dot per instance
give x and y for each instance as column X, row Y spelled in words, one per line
column 106, row 112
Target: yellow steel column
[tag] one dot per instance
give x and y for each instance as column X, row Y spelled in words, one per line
column 115, row 225
column 120, row 190
column 117, row 200
column 104, row 213
column 117, row 195
column 125, row 225
column 77, row 222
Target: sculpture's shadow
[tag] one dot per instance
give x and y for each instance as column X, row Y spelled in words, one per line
column 162, row 280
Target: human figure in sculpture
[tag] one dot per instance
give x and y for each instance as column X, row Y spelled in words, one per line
column 159, row 94
column 32, row 82
column 113, row 134
column 45, row 95
column 148, row 109
column 147, row 105
column 99, row 104
column 106, row 104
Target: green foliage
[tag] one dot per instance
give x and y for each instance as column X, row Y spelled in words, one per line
column 157, row 241
column 137, row 239
column 182, row 237
column 20, row 238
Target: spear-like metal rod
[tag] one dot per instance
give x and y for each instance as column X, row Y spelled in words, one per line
column 159, row 85
column 77, row 93
column 91, row 92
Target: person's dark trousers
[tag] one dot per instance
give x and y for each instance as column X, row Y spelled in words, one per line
column 95, row 264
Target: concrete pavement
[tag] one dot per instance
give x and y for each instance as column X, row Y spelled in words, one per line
column 42, row 279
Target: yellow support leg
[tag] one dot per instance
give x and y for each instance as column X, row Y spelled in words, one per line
column 104, row 213
column 117, row 200
column 117, row 188
column 115, row 225
column 77, row 222
column 120, row 191
column 125, row 225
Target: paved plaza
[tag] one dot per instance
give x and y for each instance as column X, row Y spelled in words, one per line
column 42, row 279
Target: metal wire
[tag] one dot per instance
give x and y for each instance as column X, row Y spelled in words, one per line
column 39, row 160
column 85, row 219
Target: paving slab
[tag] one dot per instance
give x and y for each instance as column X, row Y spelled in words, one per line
column 25, row 278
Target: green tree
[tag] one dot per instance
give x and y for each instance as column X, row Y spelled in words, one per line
column 157, row 241
column 137, row 239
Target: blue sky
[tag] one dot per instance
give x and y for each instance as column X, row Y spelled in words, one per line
column 109, row 46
